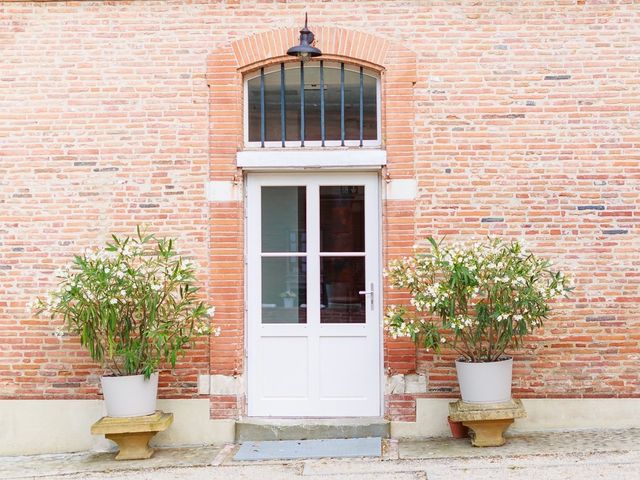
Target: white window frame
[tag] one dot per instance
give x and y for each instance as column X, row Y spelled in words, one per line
column 312, row 143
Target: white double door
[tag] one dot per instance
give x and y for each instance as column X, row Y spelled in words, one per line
column 313, row 295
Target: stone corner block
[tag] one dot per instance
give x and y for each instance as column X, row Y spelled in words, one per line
column 220, row 385
column 394, row 384
column 415, row 383
column 222, row 191
column 204, row 384
column 402, row 189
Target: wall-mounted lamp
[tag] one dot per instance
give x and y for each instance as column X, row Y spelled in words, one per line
column 305, row 50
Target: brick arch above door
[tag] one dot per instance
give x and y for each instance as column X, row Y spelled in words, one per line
column 358, row 46
column 395, row 62
column 225, row 68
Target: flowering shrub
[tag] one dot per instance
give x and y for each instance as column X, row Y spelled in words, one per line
column 479, row 298
column 133, row 303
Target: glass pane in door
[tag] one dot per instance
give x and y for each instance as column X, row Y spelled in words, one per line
column 284, row 219
column 342, row 218
column 341, row 280
column 284, row 290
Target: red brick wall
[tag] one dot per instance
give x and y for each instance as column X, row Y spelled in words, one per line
column 529, row 130
column 525, row 124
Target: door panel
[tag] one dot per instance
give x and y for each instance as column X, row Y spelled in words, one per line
column 340, row 378
column 285, row 367
column 313, row 295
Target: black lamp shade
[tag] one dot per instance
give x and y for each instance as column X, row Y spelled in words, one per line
column 303, row 50
column 306, row 48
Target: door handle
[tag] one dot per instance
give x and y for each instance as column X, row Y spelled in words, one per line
column 368, row 292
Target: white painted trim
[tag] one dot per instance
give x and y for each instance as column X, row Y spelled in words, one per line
column 30, row 427
column 327, row 64
column 381, row 292
column 543, row 414
column 300, row 158
column 291, row 144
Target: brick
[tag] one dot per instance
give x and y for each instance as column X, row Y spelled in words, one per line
column 557, row 77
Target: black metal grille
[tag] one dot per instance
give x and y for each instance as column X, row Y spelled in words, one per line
column 323, row 127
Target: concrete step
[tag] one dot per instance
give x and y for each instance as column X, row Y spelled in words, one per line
column 259, row 429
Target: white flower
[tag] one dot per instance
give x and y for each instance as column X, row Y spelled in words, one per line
column 107, row 270
column 211, row 311
column 59, row 333
column 113, row 301
column 123, row 292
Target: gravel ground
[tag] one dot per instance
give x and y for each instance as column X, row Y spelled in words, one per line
column 618, row 466
column 584, row 455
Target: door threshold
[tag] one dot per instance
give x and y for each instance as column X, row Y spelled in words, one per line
column 274, row 428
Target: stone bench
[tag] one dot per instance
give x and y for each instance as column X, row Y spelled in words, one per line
column 132, row 434
column 487, row 422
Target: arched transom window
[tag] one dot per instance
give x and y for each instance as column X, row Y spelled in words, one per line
column 315, row 104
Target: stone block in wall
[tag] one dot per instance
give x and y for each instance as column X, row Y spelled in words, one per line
column 394, row 384
column 415, row 383
column 220, row 385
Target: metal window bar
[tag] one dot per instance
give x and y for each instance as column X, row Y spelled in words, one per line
column 361, row 104
column 301, row 104
column 283, row 121
column 342, row 104
column 322, row 132
column 262, row 107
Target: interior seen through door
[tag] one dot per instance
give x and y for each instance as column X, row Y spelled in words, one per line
column 285, row 256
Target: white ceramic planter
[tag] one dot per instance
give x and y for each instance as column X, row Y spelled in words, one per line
column 130, row 395
column 486, row 382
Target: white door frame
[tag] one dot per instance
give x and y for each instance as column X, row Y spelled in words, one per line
column 295, row 405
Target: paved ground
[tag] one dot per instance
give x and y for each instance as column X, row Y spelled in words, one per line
column 584, row 455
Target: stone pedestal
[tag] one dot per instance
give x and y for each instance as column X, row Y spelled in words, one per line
column 132, row 434
column 487, row 422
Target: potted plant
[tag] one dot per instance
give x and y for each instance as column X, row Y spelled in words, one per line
column 479, row 299
column 134, row 305
column 288, row 298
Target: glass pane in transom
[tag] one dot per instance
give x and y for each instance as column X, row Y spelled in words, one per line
column 286, row 98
